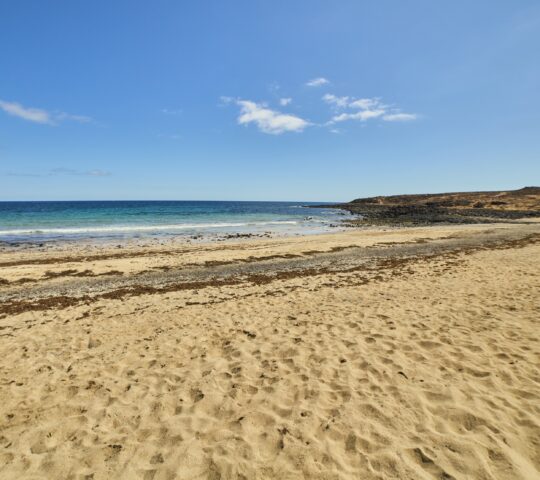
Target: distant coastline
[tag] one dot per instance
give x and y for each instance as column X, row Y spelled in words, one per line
column 444, row 208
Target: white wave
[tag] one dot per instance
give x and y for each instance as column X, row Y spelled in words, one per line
column 138, row 228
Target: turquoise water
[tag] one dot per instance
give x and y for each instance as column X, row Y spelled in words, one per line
column 41, row 221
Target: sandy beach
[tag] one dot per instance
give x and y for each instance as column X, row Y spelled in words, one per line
column 384, row 353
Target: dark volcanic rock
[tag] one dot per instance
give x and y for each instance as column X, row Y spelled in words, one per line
column 457, row 207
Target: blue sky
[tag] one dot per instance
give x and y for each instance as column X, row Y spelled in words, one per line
column 259, row 100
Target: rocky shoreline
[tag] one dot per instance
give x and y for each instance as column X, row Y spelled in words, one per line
column 448, row 208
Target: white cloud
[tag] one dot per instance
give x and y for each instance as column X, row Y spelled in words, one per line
column 38, row 115
column 340, row 102
column 348, row 102
column 400, row 117
column 317, row 82
column 367, row 108
column 30, row 114
column 365, row 103
column 267, row 120
column 362, row 116
column 285, row 101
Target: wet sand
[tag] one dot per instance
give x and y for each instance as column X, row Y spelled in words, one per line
column 374, row 354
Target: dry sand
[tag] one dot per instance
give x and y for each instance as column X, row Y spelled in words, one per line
column 398, row 354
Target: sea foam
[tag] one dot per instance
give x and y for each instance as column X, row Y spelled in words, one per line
column 138, row 228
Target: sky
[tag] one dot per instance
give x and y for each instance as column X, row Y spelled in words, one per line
column 311, row 100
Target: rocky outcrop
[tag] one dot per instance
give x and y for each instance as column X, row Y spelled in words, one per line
column 455, row 207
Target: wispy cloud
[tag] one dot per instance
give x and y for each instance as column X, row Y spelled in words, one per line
column 171, row 111
column 60, row 171
column 38, row 115
column 267, row 120
column 68, row 117
column 364, row 109
column 339, row 102
column 351, row 102
column 274, row 88
column 363, row 115
column 366, row 103
column 345, row 108
column 31, row 114
column 97, row 173
column 317, row 82
column 87, row 173
column 400, row 117
column 225, row 100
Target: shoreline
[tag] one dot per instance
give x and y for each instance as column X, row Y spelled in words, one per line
column 184, row 265
column 445, row 208
column 152, row 237
column 105, row 222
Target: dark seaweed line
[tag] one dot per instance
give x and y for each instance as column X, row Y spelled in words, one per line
column 381, row 264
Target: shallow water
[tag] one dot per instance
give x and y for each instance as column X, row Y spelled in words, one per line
column 43, row 221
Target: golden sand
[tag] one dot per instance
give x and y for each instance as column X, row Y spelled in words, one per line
column 419, row 366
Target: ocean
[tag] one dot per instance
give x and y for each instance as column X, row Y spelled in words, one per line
column 48, row 221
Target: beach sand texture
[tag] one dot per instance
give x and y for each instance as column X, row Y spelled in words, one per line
column 398, row 354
